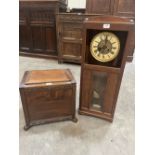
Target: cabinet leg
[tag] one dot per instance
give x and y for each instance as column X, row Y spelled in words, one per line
column 75, row 120
column 26, row 127
column 60, row 61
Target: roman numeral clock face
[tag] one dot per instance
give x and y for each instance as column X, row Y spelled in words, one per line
column 105, row 46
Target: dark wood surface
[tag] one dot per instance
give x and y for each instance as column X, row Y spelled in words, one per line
column 70, row 37
column 103, row 77
column 37, row 26
column 48, row 96
column 104, row 7
column 37, row 30
column 121, row 8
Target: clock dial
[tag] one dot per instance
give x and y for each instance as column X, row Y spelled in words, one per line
column 105, row 46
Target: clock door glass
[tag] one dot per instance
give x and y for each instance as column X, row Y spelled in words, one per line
column 105, row 46
column 99, row 81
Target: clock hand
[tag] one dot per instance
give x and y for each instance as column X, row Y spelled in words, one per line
column 106, row 39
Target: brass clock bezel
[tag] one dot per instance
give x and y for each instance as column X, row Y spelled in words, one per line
column 109, row 59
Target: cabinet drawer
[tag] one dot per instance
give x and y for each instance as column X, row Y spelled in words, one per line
column 71, row 18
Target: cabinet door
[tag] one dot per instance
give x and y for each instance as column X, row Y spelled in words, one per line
column 43, row 31
column 124, row 8
column 71, row 41
column 24, row 30
column 71, row 49
column 99, row 6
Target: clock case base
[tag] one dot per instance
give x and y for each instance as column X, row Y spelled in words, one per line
column 96, row 114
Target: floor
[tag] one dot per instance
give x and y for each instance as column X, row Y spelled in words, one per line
column 90, row 136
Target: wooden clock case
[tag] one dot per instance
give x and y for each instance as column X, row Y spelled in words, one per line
column 100, row 82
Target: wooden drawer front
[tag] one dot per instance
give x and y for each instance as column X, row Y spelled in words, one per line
column 72, row 31
column 47, row 102
column 71, row 49
column 71, row 18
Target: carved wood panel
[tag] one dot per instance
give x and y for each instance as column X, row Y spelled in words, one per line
column 44, row 102
column 42, row 16
column 24, row 37
column 72, row 31
column 50, row 40
column 23, row 17
column 39, row 15
column 99, row 6
column 71, row 49
column 38, row 38
column 124, row 8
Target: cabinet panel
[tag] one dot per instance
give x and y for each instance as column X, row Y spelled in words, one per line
column 42, row 16
column 50, row 43
column 23, row 16
column 43, row 39
column 72, row 30
column 38, row 38
column 71, row 49
column 39, row 19
column 124, row 8
column 24, row 38
column 99, row 6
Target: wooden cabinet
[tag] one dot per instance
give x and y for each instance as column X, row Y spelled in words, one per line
column 122, row 8
column 69, row 34
column 70, row 37
column 37, row 27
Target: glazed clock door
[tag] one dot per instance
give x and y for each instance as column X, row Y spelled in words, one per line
column 98, row 91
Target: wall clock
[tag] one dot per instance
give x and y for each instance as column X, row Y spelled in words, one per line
column 105, row 48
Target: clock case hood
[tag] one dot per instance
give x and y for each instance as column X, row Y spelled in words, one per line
column 121, row 27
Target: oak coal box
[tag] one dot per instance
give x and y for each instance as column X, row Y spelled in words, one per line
column 48, row 96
